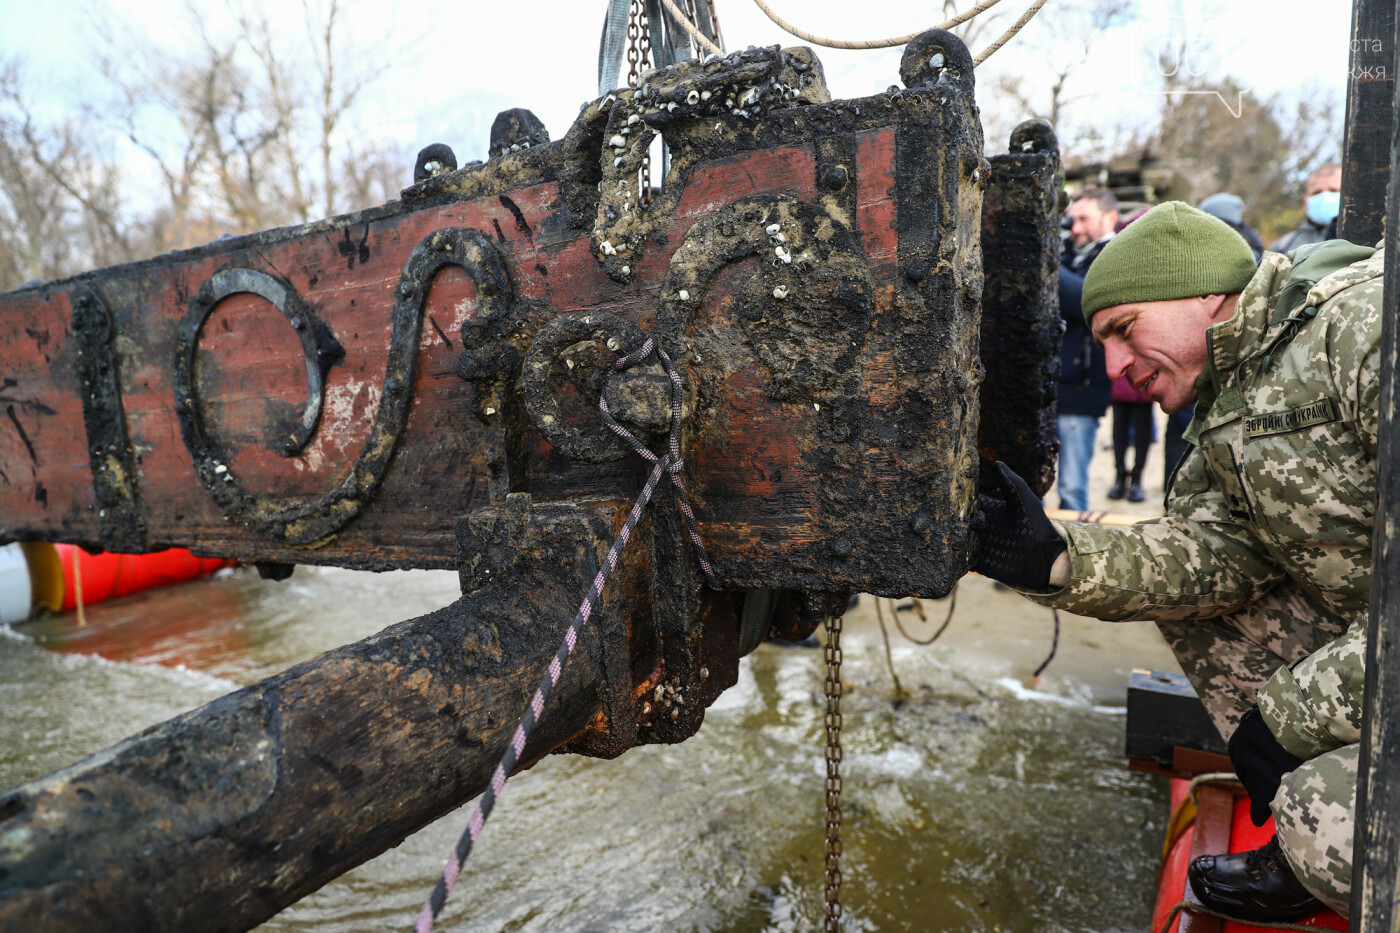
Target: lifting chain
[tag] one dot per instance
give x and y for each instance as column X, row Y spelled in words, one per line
column 634, row 46
column 638, row 60
column 833, row 771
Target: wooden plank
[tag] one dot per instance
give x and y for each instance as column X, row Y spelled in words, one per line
column 831, row 366
column 1370, row 118
column 219, row 818
column 1021, row 322
column 1377, row 835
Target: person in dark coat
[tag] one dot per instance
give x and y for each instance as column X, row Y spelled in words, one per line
column 1322, row 200
column 1230, row 208
column 1083, row 396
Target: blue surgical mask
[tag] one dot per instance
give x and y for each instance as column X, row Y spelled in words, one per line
column 1323, row 206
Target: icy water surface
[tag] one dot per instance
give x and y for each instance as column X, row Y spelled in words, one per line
column 980, row 803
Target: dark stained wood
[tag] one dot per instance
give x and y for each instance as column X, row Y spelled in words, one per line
column 829, row 442
column 1370, row 118
column 814, row 271
column 219, row 818
column 1377, row 840
column 1021, row 322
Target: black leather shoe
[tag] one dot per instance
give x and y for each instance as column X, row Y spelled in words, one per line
column 1257, row 886
column 1135, row 493
column 1116, row 490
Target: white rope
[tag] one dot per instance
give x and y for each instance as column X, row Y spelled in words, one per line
column 1006, row 36
column 700, row 38
column 871, row 43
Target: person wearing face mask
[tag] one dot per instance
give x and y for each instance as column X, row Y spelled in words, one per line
column 1322, row 200
column 1259, row 573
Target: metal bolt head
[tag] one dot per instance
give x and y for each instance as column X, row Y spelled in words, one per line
column 835, row 179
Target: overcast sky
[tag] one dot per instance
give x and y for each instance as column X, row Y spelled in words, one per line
column 454, row 65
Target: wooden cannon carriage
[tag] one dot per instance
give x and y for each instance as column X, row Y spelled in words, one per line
column 843, row 287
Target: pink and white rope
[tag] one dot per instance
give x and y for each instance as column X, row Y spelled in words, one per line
column 671, row 464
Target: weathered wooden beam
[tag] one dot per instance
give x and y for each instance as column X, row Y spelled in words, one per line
column 337, row 393
column 1021, row 323
column 221, row 817
column 1370, row 118
column 813, row 268
column 1376, row 845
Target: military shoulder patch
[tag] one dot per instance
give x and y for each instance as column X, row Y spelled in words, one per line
column 1266, row 423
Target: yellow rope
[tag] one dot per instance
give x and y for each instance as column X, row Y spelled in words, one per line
column 700, row 38
column 872, row 43
column 78, row 588
column 1006, row 36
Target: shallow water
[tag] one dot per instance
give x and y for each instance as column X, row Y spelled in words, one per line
column 978, row 803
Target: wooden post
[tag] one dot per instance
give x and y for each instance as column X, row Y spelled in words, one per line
column 1378, row 791
column 220, row 818
column 1370, row 114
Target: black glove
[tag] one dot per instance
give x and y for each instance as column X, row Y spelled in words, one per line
column 1260, row 763
column 1018, row 544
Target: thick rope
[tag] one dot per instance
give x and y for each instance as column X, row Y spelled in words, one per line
column 671, row 463
column 1054, row 646
column 702, row 41
column 952, row 605
column 1006, row 36
column 889, row 658
column 873, row 43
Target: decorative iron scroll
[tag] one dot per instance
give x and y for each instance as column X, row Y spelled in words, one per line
column 307, row 522
column 621, row 337
column 110, row 456
column 808, row 303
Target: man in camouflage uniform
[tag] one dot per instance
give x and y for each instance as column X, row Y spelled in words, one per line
column 1259, row 574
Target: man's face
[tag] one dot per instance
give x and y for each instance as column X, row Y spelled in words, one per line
column 1322, row 181
column 1090, row 223
column 1160, row 346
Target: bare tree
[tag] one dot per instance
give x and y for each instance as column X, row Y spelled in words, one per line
column 60, row 200
column 250, row 128
column 1261, row 150
column 1053, row 52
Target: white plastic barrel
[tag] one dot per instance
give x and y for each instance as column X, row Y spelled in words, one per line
column 14, row 585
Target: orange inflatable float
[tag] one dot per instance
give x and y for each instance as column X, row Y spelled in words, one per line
column 63, row 577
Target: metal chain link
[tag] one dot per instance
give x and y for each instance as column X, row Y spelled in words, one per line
column 833, row 771
column 634, row 53
column 644, row 195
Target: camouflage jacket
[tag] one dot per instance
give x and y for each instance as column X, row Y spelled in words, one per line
column 1279, row 492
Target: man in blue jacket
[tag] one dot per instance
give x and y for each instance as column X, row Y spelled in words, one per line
column 1083, row 390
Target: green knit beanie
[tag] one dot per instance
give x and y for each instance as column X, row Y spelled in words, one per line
column 1172, row 251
